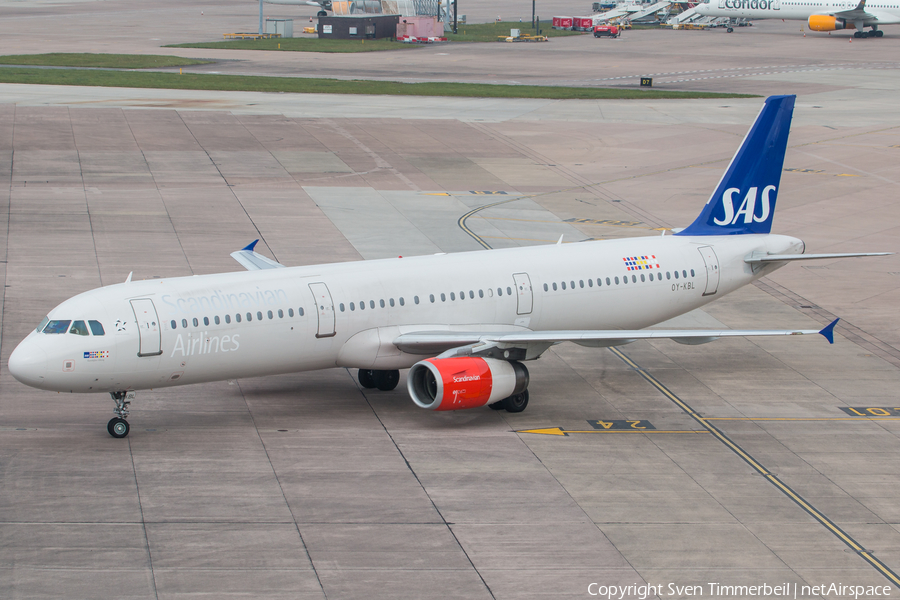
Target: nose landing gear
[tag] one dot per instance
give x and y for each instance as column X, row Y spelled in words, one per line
column 118, row 427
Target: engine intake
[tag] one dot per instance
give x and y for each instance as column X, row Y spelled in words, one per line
column 464, row 382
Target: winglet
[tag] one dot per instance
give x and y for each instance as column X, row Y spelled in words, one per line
column 828, row 331
column 249, row 247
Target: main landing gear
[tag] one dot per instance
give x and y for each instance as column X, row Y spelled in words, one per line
column 118, row 427
column 867, row 34
column 383, row 380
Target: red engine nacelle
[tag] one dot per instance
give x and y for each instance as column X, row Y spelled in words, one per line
column 466, row 382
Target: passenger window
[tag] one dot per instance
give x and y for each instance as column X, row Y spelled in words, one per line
column 591, row 282
column 554, row 286
column 218, row 322
column 57, row 327
column 617, row 281
column 259, row 315
column 572, row 283
column 416, row 299
column 249, row 317
column 184, row 323
column 237, row 318
column 481, row 292
column 43, row 324
column 290, row 312
column 371, row 304
column 352, row 306
column 362, row 305
column 684, row 274
column 471, row 295
column 381, row 303
column 625, row 279
column 79, row 328
column 402, row 301
column 452, row 296
column 431, row 297
column 280, row 314
column 546, row 288
column 271, row 316
column 206, row 320
column 607, row 281
column 563, row 285
column 97, row 327
column 196, row 322
column 341, row 306
column 300, row 311
column 443, row 297
column 692, row 272
column 228, row 319
column 581, row 283
column 391, row 302
column 676, row 274
column 174, row 324
column 509, row 291
column 633, row 279
column 643, row 279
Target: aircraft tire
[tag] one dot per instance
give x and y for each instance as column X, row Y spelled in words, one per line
column 366, row 378
column 729, row 30
column 857, row 34
column 878, row 33
column 321, row 13
column 516, row 403
column 387, row 380
column 118, row 427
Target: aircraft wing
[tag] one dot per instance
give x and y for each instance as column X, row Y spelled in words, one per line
column 254, row 261
column 531, row 344
column 859, row 13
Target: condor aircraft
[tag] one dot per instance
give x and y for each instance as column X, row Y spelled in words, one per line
column 820, row 15
column 465, row 324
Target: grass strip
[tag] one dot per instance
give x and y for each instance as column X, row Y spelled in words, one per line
column 103, row 61
column 298, row 85
column 480, row 32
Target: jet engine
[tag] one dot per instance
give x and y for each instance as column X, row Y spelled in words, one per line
column 464, row 382
column 827, row 23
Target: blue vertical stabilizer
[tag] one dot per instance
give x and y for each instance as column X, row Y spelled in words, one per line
column 744, row 200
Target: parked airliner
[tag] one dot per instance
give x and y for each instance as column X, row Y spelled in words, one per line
column 820, row 15
column 465, row 324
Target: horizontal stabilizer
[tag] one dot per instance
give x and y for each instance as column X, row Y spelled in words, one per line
column 767, row 258
column 254, row 261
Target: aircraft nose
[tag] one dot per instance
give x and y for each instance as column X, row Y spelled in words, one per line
column 28, row 364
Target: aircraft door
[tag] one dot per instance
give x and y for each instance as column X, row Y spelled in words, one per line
column 712, row 270
column 324, row 308
column 148, row 325
column 523, row 293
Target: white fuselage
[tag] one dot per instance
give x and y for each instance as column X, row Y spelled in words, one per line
column 887, row 11
column 246, row 324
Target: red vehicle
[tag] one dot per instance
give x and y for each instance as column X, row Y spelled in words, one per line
column 607, row 31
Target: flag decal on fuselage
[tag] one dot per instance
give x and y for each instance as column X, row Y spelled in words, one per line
column 640, row 263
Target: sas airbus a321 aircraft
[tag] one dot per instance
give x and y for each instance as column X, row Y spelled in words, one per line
column 820, row 15
column 465, row 324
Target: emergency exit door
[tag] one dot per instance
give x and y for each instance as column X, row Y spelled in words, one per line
column 712, row 269
column 324, row 309
column 524, row 297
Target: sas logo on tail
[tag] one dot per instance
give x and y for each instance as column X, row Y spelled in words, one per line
column 747, row 209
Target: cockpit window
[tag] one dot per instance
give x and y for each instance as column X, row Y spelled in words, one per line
column 57, row 327
column 43, row 324
column 79, row 328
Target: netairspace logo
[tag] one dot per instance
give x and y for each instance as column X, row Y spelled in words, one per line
column 719, row 590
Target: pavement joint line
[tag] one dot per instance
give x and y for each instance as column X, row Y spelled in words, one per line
column 812, row 511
